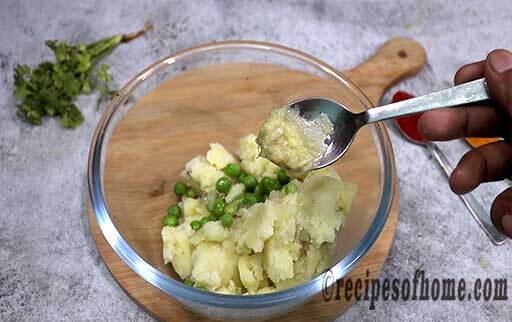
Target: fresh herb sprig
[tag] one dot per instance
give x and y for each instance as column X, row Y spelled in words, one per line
column 50, row 89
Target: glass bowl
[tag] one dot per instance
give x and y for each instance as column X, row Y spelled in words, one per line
column 219, row 92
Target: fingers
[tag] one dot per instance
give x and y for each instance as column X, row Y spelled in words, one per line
column 501, row 212
column 498, row 73
column 492, row 161
column 450, row 123
column 489, row 162
column 469, row 72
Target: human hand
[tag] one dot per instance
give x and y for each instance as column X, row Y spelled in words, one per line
column 490, row 162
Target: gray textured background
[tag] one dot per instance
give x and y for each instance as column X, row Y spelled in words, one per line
column 49, row 266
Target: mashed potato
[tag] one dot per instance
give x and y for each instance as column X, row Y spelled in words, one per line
column 278, row 242
column 288, row 139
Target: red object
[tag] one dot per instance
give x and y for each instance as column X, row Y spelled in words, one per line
column 408, row 124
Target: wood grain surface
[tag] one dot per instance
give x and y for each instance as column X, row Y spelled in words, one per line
column 151, row 145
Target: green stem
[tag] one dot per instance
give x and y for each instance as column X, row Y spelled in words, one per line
column 105, row 45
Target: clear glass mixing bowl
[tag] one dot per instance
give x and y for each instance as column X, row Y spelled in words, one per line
column 219, row 92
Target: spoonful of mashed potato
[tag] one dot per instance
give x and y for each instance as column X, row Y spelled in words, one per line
column 294, row 140
column 315, row 132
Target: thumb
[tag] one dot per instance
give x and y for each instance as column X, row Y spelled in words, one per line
column 498, row 73
column 501, row 212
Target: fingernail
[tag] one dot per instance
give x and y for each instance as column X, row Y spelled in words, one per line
column 506, row 223
column 500, row 60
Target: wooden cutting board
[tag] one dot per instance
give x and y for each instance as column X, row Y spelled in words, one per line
column 396, row 59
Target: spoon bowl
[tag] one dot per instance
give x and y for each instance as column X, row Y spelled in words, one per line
column 341, row 118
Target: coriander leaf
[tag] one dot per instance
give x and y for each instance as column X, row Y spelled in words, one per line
column 71, row 117
column 52, row 87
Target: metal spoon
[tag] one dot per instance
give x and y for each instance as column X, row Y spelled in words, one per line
column 346, row 123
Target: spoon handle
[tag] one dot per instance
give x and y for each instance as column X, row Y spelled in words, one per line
column 470, row 92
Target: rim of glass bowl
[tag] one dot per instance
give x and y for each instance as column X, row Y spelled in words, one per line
column 175, row 288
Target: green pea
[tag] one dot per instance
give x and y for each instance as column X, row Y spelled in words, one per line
column 223, row 185
column 230, row 208
column 259, row 190
column 226, row 220
column 249, row 200
column 218, row 207
column 270, row 184
column 238, row 199
column 265, row 183
column 275, row 185
column 283, row 177
column 174, row 210
column 265, row 180
column 250, row 182
column 233, row 170
column 260, row 196
column 180, row 189
column 188, row 281
column 192, row 193
column 290, row 188
column 242, row 176
column 170, row 221
column 234, row 205
column 195, row 224
column 205, row 220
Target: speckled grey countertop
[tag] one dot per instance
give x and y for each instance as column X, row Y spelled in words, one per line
column 49, row 266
